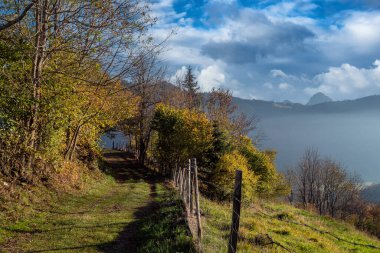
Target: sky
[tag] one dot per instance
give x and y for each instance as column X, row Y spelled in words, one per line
column 274, row 50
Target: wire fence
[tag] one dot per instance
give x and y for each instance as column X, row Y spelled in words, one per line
column 187, row 179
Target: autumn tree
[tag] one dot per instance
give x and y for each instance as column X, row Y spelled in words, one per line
column 146, row 85
column 222, row 110
column 181, row 134
column 65, row 64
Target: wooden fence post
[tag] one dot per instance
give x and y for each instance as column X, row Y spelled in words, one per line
column 192, row 187
column 235, row 213
column 177, row 178
column 189, row 187
column 175, row 175
column 181, row 181
column 197, row 200
column 113, row 145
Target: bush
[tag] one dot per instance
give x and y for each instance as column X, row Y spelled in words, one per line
column 225, row 174
column 261, row 163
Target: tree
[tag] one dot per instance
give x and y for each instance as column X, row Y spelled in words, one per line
column 181, row 134
column 65, row 61
column 324, row 184
column 261, row 163
column 225, row 172
column 190, row 86
column 220, row 106
column 221, row 109
column 145, row 85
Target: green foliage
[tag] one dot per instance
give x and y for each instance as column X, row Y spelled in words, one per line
column 261, row 163
column 181, row 134
column 190, row 86
column 221, row 144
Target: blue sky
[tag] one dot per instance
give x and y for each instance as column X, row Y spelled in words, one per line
column 274, row 50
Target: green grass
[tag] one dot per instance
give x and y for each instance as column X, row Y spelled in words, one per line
column 285, row 225
column 166, row 230
column 110, row 216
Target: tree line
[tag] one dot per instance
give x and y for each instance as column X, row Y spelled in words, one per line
column 64, row 65
column 323, row 185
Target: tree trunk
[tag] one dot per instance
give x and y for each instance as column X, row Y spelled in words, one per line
column 39, row 57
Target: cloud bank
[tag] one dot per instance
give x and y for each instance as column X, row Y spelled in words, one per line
column 275, row 50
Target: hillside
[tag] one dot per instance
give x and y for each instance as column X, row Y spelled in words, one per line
column 270, row 227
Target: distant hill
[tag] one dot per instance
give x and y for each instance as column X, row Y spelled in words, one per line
column 372, row 193
column 319, row 98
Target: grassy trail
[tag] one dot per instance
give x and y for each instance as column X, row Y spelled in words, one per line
column 130, row 211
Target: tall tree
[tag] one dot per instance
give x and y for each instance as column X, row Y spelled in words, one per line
column 190, row 86
column 146, row 85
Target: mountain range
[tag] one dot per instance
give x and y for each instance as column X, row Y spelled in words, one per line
column 372, row 193
column 346, row 131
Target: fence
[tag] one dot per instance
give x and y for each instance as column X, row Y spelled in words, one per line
column 185, row 179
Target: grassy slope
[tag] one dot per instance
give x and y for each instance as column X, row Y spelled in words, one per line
column 112, row 216
column 284, row 224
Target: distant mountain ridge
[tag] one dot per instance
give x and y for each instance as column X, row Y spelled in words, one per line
column 372, row 193
column 265, row 109
column 347, row 131
column 319, row 98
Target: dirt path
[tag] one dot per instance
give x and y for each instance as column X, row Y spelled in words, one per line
column 129, row 237
column 106, row 219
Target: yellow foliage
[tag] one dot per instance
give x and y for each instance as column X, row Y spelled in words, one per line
column 225, row 174
column 182, row 133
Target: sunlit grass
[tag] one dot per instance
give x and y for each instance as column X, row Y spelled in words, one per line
column 285, row 225
column 93, row 221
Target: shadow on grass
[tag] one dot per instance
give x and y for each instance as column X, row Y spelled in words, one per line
column 159, row 226
column 117, row 162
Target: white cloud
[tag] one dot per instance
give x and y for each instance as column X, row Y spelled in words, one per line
column 348, row 81
column 211, row 77
column 356, row 34
column 179, row 75
column 278, row 73
column 296, row 70
column 284, row 86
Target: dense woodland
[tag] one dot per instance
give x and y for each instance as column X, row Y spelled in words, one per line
column 73, row 70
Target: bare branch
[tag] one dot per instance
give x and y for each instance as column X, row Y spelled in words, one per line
column 19, row 18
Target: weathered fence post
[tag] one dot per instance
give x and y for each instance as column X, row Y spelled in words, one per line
column 177, row 177
column 197, row 200
column 192, row 187
column 189, row 187
column 181, row 181
column 113, row 145
column 235, row 212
